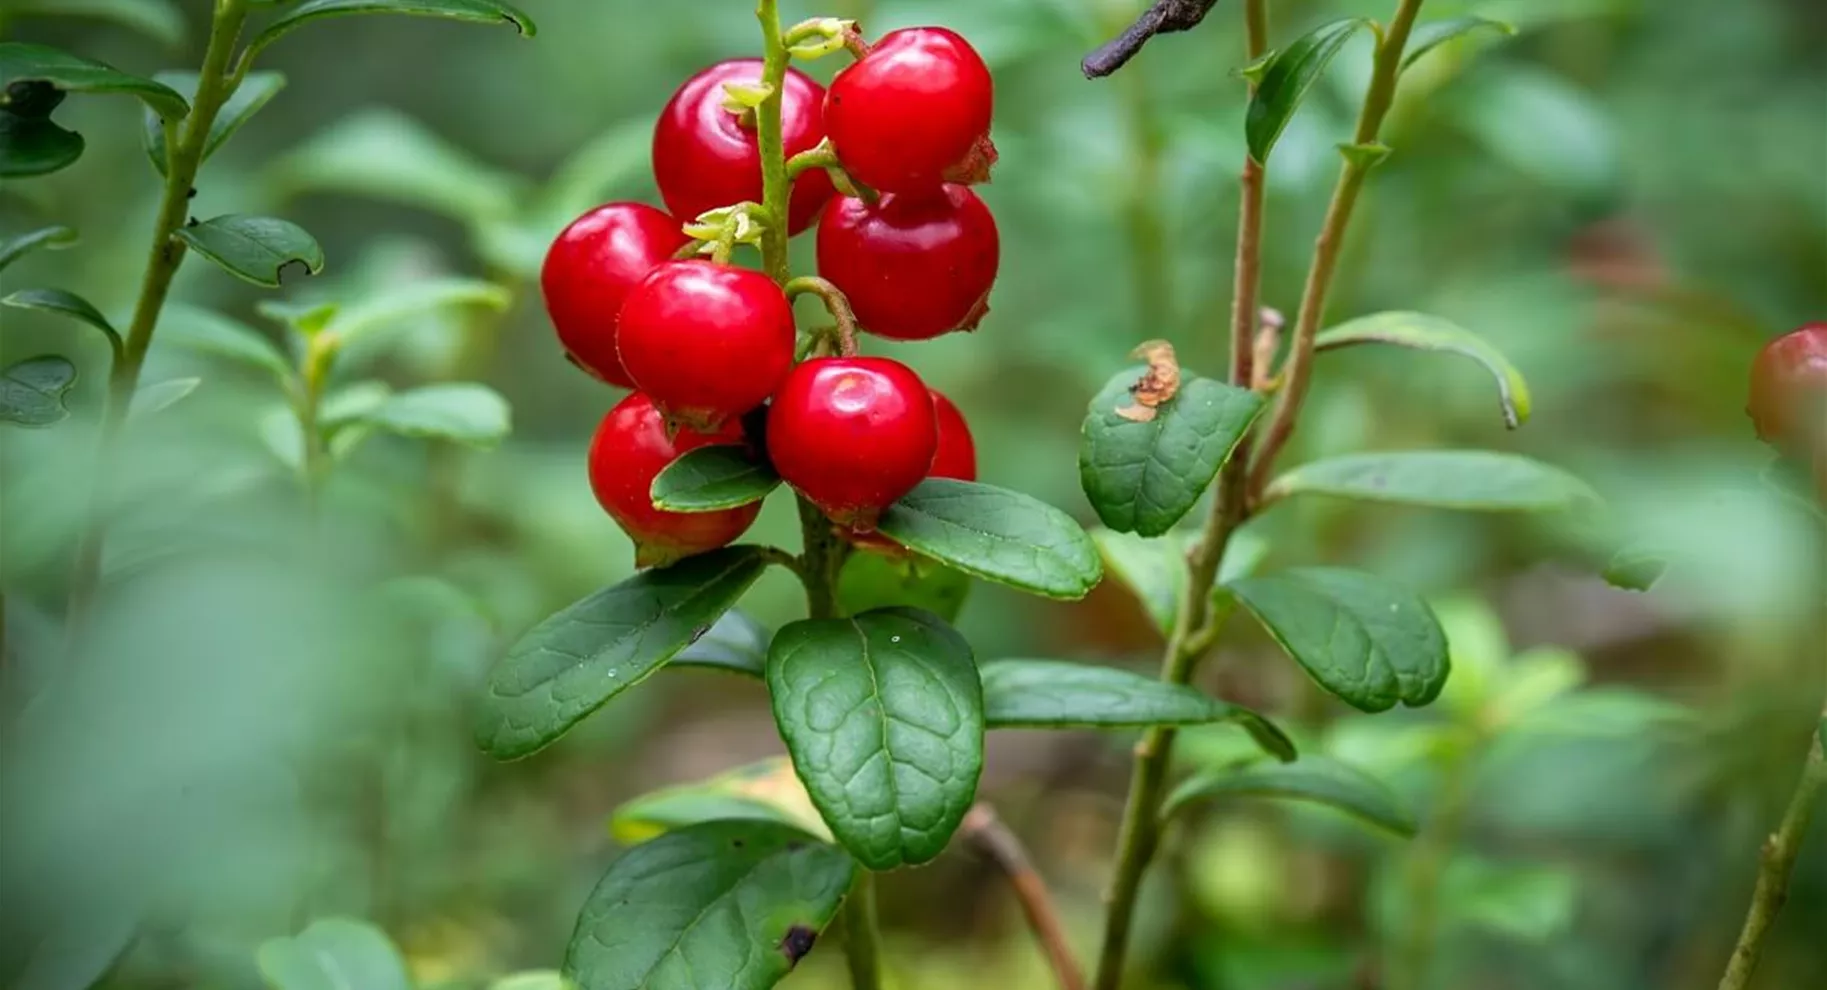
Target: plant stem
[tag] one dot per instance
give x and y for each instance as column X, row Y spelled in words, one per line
column 1197, row 623
column 1776, row 862
column 319, row 352
column 1299, row 371
column 214, row 87
column 986, row 830
column 1426, row 868
column 862, row 934
column 835, row 303
column 776, row 189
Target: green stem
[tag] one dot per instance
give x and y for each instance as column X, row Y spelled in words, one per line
column 214, row 87
column 319, row 353
column 862, row 934
column 1426, row 868
column 1299, row 372
column 1198, row 623
column 776, row 188
column 835, row 303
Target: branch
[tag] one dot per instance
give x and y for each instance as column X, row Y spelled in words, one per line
column 988, row 833
column 1165, row 17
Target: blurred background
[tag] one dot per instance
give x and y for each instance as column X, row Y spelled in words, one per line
column 267, row 723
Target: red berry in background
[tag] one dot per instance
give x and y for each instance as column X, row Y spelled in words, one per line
column 914, row 266
column 705, row 156
column 852, row 434
column 631, row 447
column 914, row 112
column 589, row 271
column 957, row 455
column 1789, row 389
column 707, row 342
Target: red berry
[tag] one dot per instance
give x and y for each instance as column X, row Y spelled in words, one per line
column 708, row 342
column 913, row 265
column 589, row 271
column 957, row 456
column 914, row 112
column 705, row 156
column 631, row 447
column 852, row 434
column 1789, row 388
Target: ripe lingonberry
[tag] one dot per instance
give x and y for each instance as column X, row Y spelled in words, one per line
column 590, row 270
column 914, row 112
column 852, row 434
column 631, row 447
column 957, row 455
column 914, row 265
column 708, row 342
column 706, row 155
column 1789, row 389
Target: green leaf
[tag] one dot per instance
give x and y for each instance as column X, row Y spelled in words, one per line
column 67, row 304
column 208, row 331
column 461, row 412
column 998, row 535
column 333, row 954
column 721, row 476
column 54, row 238
column 1636, row 568
column 35, row 146
column 871, row 580
column 386, row 155
column 21, row 62
column 384, row 310
column 766, row 790
column 717, row 906
column 256, row 249
column 32, row 391
column 1367, row 641
column 254, row 92
column 1053, row 694
column 1287, row 76
column 160, row 396
column 159, row 20
column 1144, row 477
column 1431, row 35
column 533, row 979
column 1155, row 569
column 569, row 665
column 476, row 11
column 883, row 715
column 1311, row 778
column 735, row 642
column 1431, row 333
column 1470, row 480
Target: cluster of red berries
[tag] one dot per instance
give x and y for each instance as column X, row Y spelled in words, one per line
column 705, row 343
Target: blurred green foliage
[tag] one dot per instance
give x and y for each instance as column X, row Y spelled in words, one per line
column 267, row 723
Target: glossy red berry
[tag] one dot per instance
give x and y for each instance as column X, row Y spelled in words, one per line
column 707, row 342
column 957, row 455
column 590, row 270
column 631, row 447
column 914, row 112
column 852, row 434
column 1789, row 388
column 705, row 155
column 914, row 266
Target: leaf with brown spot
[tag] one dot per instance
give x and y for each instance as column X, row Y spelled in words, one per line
column 1158, row 384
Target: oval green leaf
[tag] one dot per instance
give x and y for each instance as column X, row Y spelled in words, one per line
column 35, row 146
column 1317, row 779
column 1144, row 477
column 728, row 905
column 387, row 155
column 210, row 332
column 160, row 396
column 159, row 20
column 1053, row 694
column 1370, row 642
column 1468, row 480
column 872, row 580
column 22, row 62
column 256, row 249
column 767, row 790
column 736, row 642
column 67, row 304
column 32, row 391
column 1284, row 79
column 721, row 476
column 883, row 716
column 1431, row 35
column 569, row 665
column 1431, row 333
column 998, row 535
column 476, row 11
column 254, row 92
column 333, row 954
column 53, row 238
column 461, row 412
